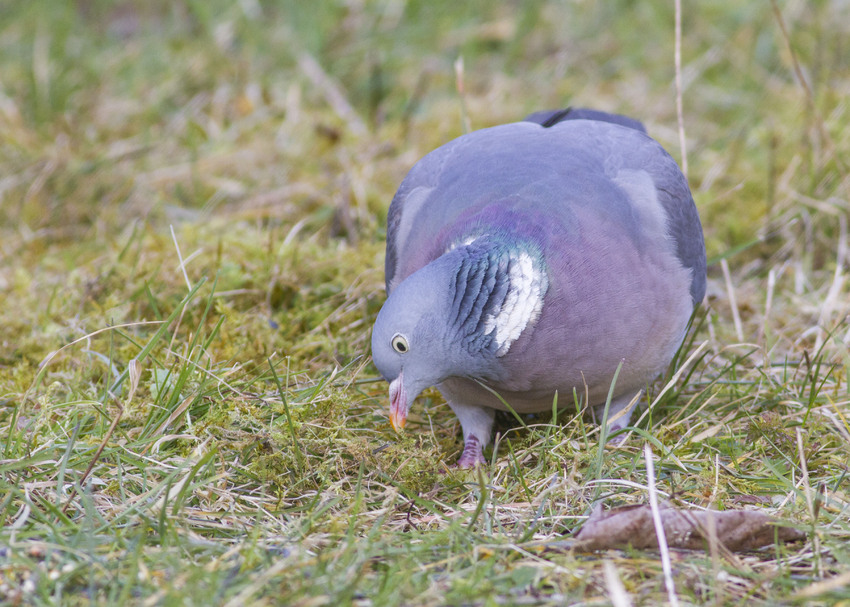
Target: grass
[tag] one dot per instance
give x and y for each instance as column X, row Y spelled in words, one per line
column 191, row 417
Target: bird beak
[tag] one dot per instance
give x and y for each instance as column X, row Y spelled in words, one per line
column 398, row 403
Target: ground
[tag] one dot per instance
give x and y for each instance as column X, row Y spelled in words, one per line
column 193, row 205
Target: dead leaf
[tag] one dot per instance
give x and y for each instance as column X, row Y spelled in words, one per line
column 737, row 530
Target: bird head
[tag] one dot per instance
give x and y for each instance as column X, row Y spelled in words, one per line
column 411, row 345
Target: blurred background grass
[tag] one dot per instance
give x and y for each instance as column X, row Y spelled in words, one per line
column 121, row 118
column 270, row 136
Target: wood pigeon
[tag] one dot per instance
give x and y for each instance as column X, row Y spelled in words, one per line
column 533, row 258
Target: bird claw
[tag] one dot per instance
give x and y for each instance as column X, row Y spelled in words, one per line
column 616, row 441
column 473, row 454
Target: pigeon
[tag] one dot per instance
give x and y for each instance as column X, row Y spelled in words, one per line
column 538, row 258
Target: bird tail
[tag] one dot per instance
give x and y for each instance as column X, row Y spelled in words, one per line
column 547, row 118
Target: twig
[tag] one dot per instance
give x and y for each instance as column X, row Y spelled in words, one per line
column 659, row 528
column 733, row 303
column 810, row 96
column 810, row 502
column 714, row 551
column 461, row 91
column 135, row 369
column 180, row 257
column 768, row 307
column 616, row 591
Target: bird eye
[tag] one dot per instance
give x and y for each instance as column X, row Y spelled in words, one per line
column 399, row 343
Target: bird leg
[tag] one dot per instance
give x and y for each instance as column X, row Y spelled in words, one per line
column 477, row 423
column 616, row 420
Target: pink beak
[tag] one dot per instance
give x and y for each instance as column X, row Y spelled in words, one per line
column 398, row 403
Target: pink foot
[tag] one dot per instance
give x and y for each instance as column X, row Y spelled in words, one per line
column 616, row 441
column 473, row 453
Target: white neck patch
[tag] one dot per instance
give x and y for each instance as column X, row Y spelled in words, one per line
column 522, row 305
